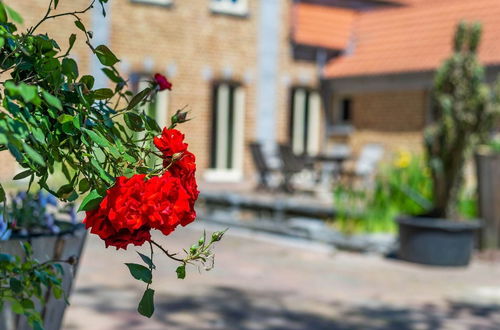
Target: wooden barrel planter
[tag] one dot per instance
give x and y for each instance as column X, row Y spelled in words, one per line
column 488, row 183
column 68, row 243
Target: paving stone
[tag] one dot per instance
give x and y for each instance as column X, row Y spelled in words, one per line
column 263, row 281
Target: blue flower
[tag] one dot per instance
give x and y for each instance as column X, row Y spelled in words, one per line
column 5, row 232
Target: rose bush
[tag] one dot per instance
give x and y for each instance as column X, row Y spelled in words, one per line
column 131, row 176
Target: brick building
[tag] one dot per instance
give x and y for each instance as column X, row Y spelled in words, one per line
column 309, row 73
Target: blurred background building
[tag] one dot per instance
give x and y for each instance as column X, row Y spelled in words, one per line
column 313, row 74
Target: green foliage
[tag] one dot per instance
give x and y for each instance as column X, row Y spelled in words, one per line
column 404, row 187
column 199, row 254
column 53, row 118
column 25, row 281
column 465, row 108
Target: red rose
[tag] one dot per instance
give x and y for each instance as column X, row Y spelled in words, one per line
column 170, row 142
column 119, row 220
column 132, row 207
column 162, row 82
column 167, row 203
column 185, row 168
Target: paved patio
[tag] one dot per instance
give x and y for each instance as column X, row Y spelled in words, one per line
column 266, row 282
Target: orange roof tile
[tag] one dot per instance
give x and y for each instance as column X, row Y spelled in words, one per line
column 322, row 26
column 416, row 38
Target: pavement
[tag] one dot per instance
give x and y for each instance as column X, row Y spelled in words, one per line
column 261, row 281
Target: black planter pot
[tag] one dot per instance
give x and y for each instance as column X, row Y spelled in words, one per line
column 68, row 243
column 436, row 242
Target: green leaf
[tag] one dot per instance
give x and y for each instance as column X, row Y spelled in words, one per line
column 65, row 118
column 27, row 92
column 139, row 272
column 33, row 154
column 15, row 285
column 14, row 15
column 106, row 56
column 52, row 100
column 56, row 2
column 103, row 94
column 152, row 125
column 97, row 138
column 27, row 304
column 57, row 291
column 80, row 25
column 3, row 13
column 2, row 195
column 138, row 98
column 147, row 260
column 65, row 191
column 23, row 175
column 112, row 75
column 91, row 201
column 181, row 272
column 133, row 121
column 72, row 39
column 102, row 173
column 146, row 305
column 70, row 68
column 17, row 307
column 84, row 185
column 88, row 81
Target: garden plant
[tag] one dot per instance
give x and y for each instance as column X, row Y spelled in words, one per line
column 53, row 120
column 465, row 109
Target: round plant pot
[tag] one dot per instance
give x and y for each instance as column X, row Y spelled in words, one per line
column 69, row 242
column 436, row 242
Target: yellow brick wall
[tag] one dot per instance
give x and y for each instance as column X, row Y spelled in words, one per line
column 399, row 111
column 395, row 119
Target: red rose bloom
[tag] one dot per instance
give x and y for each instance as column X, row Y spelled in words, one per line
column 162, row 82
column 170, row 142
column 132, row 207
column 119, row 220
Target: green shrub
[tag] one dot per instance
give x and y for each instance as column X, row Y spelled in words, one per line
column 401, row 187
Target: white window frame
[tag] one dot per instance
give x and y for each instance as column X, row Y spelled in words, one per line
column 240, row 7
column 299, row 145
column 162, row 103
column 219, row 173
column 155, row 2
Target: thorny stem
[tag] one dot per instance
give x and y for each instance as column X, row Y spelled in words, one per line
column 170, row 255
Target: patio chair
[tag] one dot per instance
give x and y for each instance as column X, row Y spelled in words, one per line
column 264, row 169
column 291, row 165
column 365, row 165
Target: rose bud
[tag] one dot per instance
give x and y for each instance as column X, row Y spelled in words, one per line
column 162, row 82
column 179, row 117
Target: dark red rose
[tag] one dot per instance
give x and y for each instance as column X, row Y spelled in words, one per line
column 119, row 220
column 162, row 82
column 170, row 142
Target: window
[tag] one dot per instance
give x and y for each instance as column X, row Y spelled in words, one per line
column 305, row 121
column 345, row 116
column 233, row 7
column 155, row 2
column 228, row 110
column 158, row 109
column 341, row 116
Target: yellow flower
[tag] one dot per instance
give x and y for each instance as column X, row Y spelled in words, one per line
column 403, row 159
